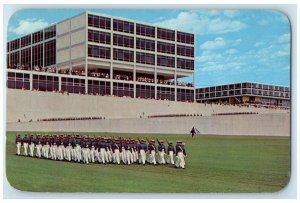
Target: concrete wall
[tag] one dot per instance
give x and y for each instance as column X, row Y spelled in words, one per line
column 26, row 105
column 256, row 124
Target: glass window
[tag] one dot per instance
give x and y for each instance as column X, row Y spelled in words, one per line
column 50, row 32
column 185, row 38
column 185, row 64
column 37, row 36
column 99, row 37
column 99, row 22
column 165, row 61
column 123, row 41
column 50, row 52
column 166, row 34
column 185, row 51
column 145, row 58
column 123, row 26
column 165, row 47
column 98, row 51
column 145, row 30
column 123, row 55
column 145, row 44
column 26, row 40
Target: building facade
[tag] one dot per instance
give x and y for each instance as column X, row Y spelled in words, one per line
column 103, row 55
column 246, row 92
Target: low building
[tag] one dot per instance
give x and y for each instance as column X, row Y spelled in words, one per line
column 245, row 93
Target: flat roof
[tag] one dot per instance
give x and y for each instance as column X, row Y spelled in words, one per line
column 241, row 83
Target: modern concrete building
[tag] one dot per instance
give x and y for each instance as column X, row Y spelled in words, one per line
column 98, row 54
column 246, row 92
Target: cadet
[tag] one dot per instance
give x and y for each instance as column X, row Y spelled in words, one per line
column 180, row 154
column 170, row 153
column 142, row 147
column 19, row 144
column 38, row 147
column 116, row 151
column 152, row 151
column 25, row 145
column 102, row 154
column 78, row 148
column 161, row 152
column 31, row 146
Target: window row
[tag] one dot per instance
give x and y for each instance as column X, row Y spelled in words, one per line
column 123, row 41
column 26, row 40
column 166, row 47
column 166, row 61
column 145, row 58
column 123, row 55
column 99, row 37
column 50, row 32
column 185, row 64
column 185, row 95
column 123, row 89
column 145, row 30
column 145, row 44
column 123, row 26
column 99, row 22
column 166, row 93
column 185, row 38
column 98, row 87
column 166, row 34
column 99, row 52
column 185, row 51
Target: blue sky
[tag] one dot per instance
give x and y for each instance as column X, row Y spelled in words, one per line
column 231, row 45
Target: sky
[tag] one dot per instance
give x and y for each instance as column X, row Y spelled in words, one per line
column 231, row 45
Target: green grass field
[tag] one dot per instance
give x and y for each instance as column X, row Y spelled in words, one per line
column 217, row 164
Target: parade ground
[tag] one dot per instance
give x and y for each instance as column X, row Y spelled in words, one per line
column 218, row 164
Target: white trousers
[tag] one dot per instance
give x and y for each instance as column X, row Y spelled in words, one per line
column 123, row 155
column 78, row 153
column 180, row 163
column 68, row 153
column 152, row 157
column 25, row 147
column 18, row 148
column 31, row 149
column 142, row 158
column 39, row 150
column 60, row 152
column 116, row 156
column 103, row 155
column 170, row 159
column 161, row 157
column 85, row 155
column 93, row 152
column 53, row 152
column 128, row 157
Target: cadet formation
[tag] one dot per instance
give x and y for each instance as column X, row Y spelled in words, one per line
column 87, row 149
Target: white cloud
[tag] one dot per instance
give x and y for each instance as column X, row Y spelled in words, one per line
column 216, row 66
column 259, row 44
column 231, row 13
column 28, row 26
column 231, row 51
column 204, row 22
column 284, row 38
column 217, row 43
column 236, row 42
column 263, row 22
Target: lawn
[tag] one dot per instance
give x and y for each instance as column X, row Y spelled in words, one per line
column 219, row 164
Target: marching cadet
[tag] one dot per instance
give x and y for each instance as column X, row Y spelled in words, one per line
column 93, row 149
column 108, row 150
column 123, row 151
column 19, row 144
column 68, row 152
column 142, row 151
column 78, row 148
column 47, row 148
column 53, row 148
column 73, row 150
column 60, row 150
column 152, row 151
column 128, row 152
column 25, row 145
column 170, row 152
column 38, row 147
column 102, row 154
column 161, row 152
column 116, row 151
column 135, row 151
column 31, row 146
column 180, row 154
